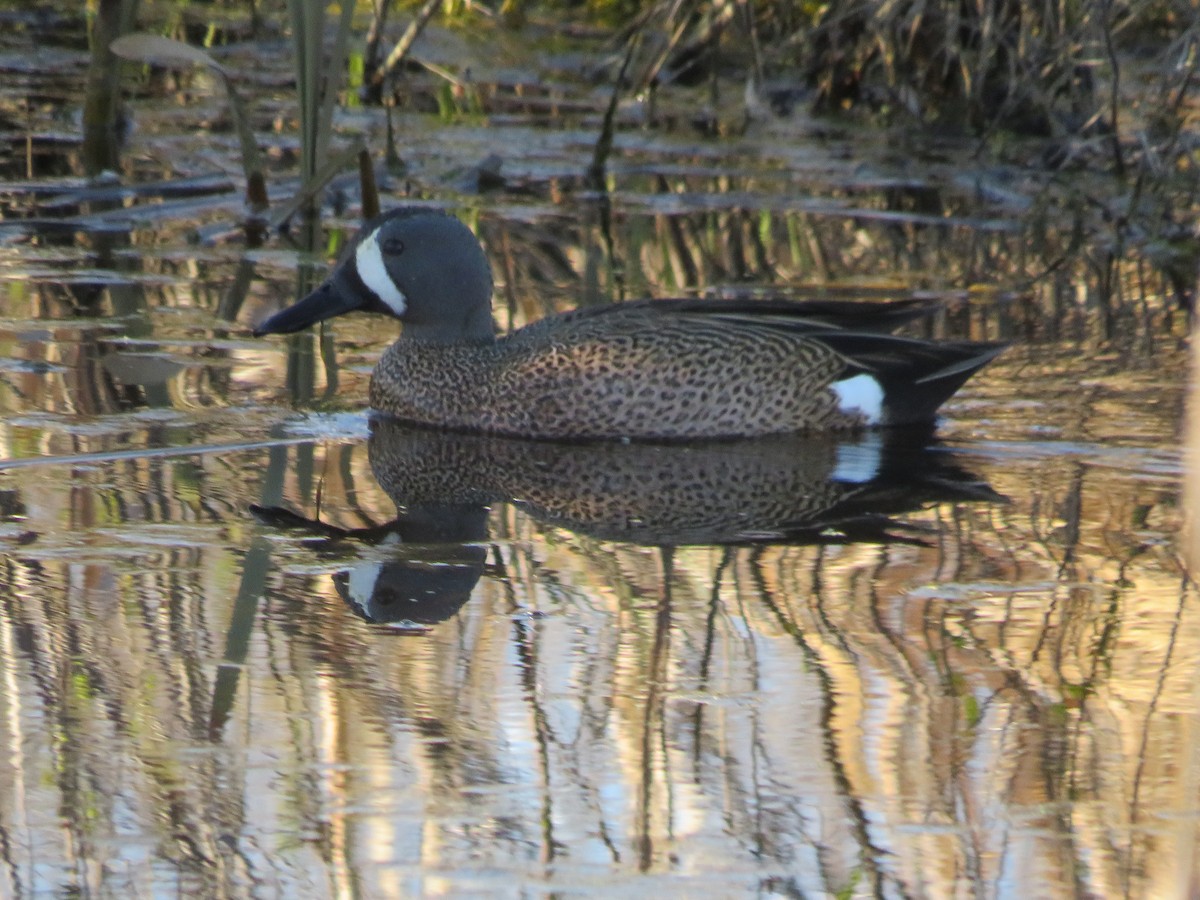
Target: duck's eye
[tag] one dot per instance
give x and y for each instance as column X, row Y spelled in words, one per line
column 393, row 245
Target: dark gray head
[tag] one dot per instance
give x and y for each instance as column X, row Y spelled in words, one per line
column 422, row 266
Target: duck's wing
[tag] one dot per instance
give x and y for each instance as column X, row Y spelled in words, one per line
column 789, row 315
column 676, row 370
column 806, row 315
column 640, row 373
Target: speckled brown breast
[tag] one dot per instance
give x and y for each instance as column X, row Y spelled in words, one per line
column 638, row 376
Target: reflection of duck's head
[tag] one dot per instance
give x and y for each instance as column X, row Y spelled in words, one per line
column 784, row 488
column 422, row 567
column 665, row 369
column 416, row 587
column 416, row 570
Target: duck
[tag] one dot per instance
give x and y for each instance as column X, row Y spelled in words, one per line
column 645, row 370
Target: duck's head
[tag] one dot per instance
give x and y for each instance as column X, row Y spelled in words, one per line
column 422, row 266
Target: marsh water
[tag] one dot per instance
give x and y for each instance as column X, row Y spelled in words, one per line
column 255, row 645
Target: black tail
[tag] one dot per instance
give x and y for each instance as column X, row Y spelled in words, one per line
column 916, row 376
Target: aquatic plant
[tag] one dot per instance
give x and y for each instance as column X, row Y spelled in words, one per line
column 318, row 80
column 156, row 49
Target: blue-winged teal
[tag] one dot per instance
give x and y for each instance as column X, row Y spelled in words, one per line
column 651, row 369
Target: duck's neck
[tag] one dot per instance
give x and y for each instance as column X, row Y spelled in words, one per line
column 474, row 327
column 438, row 337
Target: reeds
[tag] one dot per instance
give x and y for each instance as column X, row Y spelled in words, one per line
column 318, row 80
column 154, row 48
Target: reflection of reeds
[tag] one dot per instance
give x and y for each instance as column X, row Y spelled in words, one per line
column 1016, row 698
column 152, row 48
column 1037, row 280
column 903, row 717
column 103, row 119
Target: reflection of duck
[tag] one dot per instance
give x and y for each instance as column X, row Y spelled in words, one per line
column 784, row 488
column 644, row 370
column 796, row 489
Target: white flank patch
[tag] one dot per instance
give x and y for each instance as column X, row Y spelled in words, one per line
column 361, row 586
column 859, row 462
column 368, row 259
column 860, row 394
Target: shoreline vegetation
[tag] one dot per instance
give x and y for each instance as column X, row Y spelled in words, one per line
column 1078, row 121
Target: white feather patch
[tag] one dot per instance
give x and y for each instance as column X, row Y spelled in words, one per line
column 368, row 259
column 859, row 462
column 860, row 394
column 361, row 585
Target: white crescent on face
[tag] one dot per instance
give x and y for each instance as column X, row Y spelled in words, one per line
column 368, row 260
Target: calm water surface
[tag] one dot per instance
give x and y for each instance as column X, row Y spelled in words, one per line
column 480, row 668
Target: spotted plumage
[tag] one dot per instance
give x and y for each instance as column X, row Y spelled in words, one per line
column 656, row 369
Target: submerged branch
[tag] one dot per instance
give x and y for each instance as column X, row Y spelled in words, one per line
column 595, row 171
column 404, row 44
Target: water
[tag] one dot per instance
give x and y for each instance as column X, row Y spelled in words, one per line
column 980, row 682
